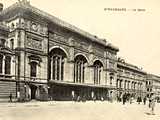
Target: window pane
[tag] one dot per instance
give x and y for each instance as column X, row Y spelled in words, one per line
column 7, row 65
column 1, row 63
column 33, row 69
column 62, row 68
column 53, row 62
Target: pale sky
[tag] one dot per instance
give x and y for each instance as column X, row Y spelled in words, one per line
column 137, row 34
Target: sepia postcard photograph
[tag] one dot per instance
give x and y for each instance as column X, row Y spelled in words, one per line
column 79, row 60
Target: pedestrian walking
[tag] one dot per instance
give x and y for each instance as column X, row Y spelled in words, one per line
column 78, row 99
column 139, row 99
column 144, row 100
column 131, row 100
column 94, row 98
column 124, row 98
column 73, row 96
column 152, row 103
column 10, row 97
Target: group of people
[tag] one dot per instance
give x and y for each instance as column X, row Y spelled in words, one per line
column 125, row 97
column 130, row 99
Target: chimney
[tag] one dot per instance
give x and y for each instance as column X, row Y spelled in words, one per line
column 1, row 7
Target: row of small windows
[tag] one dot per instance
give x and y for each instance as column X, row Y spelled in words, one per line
column 148, row 82
column 128, row 84
column 149, row 89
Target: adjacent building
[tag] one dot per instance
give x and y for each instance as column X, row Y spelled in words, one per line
column 153, row 85
column 130, row 80
column 43, row 57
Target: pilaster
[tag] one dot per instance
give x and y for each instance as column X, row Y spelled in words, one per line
column 89, row 75
column 68, row 71
column 3, row 65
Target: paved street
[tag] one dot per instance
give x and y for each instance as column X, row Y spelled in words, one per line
column 77, row 111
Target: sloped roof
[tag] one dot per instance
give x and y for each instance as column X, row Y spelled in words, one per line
column 131, row 66
column 58, row 22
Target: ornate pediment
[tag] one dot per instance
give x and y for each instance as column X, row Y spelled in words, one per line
column 6, row 50
column 35, row 57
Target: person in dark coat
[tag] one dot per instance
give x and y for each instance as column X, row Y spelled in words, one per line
column 144, row 100
column 139, row 99
column 10, row 97
column 124, row 99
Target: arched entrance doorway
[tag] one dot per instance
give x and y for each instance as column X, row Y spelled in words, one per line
column 33, row 91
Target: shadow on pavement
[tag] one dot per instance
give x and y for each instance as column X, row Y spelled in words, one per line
column 147, row 113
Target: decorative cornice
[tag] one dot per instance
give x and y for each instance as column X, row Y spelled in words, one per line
column 27, row 7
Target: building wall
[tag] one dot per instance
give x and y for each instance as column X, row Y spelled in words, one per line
column 128, row 78
column 36, row 39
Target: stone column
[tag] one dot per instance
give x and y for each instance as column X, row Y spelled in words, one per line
column 13, row 64
column 56, row 68
column 3, row 65
column 28, row 68
column 89, row 74
column 103, row 77
column 81, row 77
column 117, row 84
column 115, row 79
column 51, row 69
column 60, row 64
column 22, row 64
column 122, row 85
column 129, row 84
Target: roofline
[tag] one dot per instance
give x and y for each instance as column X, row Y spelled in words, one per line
column 59, row 22
column 130, row 66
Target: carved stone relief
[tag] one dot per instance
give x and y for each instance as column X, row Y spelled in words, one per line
column 34, row 44
column 81, row 44
column 58, row 37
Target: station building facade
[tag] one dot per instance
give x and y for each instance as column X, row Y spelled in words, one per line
column 50, row 56
column 44, row 57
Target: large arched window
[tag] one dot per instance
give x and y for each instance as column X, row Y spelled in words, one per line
column 57, row 58
column 1, row 63
column 33, row 69
column 7, row 65
column 97, row 72
column 58, row 67
column 79, row 69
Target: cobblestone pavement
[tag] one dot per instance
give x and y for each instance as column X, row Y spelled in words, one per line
column 77, row 111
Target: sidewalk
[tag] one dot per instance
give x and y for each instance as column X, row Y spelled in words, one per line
column 66, row 110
